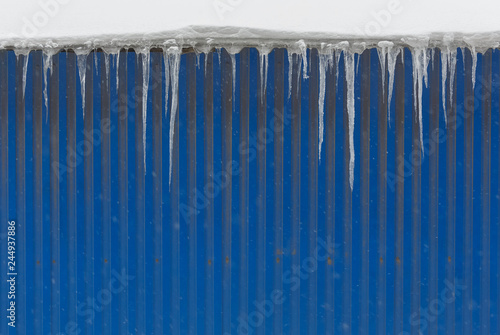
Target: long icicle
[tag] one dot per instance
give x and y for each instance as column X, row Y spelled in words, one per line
column 325, row 60
column 349, row 72
column 445, row 58
column 392, row 56
column 174, row 55
column 81, row 57
column 47, row 65
column 145, row 84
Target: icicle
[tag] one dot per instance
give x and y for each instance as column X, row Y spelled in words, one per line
column 358, row 48
column 453, row 65
column 232, row 51
column 338, row 51
column 106, row 63
column 81, row 57
column 117, row 60
column 26, row 54
column 303, row 49
column 145, row 83
column 264, row 63
column 349, row 72
column 167, row 78
column 447, row 58
column 96, row 62
column 233, row 64
column 325, row 60
column 420, row 62
column 290, row 69
column 382, row 55
column 174, row 56
column 47, row 65
column 392, row 56
column 219, row 54
column 474, row 66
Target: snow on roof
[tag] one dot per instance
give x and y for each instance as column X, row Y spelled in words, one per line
column 33, row 23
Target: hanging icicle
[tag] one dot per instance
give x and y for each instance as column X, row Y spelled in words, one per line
column 173, row 54
column 145, row 55
column 349, row 73
column 81, row 57
column 325, row 62
column 47, row 65
column 264, row 64
column 420, row 59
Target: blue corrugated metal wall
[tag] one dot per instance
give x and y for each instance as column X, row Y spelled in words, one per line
column 256, row 234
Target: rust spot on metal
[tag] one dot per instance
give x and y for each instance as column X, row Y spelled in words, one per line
column 53, row 261
column 157, row 260
column 105, row 260
column 277, row 259
column 294, row 252
column 381, row 260
column 209, row 262
column 38, row 262
column 398, row 261
column 449, row 259
column 329, row 261
column 227, row 259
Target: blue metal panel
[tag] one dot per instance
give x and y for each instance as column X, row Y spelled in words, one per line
column 256, row 233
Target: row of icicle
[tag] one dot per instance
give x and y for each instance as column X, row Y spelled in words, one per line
column 329, row 56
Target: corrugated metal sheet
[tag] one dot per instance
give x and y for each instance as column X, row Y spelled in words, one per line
column 256, row 233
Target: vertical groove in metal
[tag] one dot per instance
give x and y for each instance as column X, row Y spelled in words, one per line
column 296, row 173
column 55, row 263
column 469, row 156
column 21, row 196
column 279, row 99
column 330, row 105
column 123, row 314
column 244, row 181
column 312, row 172
column 451, row 193
column 4, row 175
column 208, row 173
column 140, row 209
column 106, row 192
column 191, row 114
column 226, row 150
column 175, row 294
column 89, row 187
column 261, row 199
column 365, row 192
column 71, row 187
column 434, row 89
column 400, row 186
column 416, row 216
column 157, row 95
column 485, row 193
column 37, row 194
column 382, row 202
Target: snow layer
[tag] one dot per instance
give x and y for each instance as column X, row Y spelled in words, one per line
column 106, row 22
